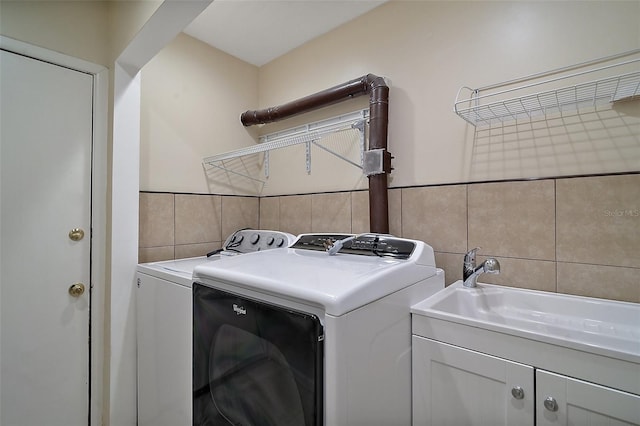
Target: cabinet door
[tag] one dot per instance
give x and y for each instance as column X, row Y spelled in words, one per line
column 458, row 387
column 562, row 401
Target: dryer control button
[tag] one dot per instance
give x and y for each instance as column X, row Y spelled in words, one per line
column 255, row 238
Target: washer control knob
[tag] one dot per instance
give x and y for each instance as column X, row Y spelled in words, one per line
column 238, row 239
column 279, row 242
column 255, row 238
column 270, row 241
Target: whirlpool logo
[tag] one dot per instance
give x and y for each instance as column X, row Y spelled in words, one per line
column 239, row 310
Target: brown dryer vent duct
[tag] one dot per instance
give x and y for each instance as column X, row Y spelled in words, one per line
column 378, row 124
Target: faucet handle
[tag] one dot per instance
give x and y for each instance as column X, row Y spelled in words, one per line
column 470, row 257
column 491, row 266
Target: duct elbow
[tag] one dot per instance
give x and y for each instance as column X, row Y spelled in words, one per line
column 374, row 81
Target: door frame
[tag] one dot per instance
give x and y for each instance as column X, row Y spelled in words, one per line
column 100, row 76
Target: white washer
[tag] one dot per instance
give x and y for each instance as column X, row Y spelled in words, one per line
column 361, row 299
column 164, row 327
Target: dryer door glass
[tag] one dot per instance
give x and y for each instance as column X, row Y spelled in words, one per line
column 254, row 363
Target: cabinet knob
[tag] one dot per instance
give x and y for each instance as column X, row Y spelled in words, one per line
column 550, row 404
column 517, row 392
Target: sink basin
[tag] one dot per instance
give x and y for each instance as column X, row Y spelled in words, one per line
column 597, row 325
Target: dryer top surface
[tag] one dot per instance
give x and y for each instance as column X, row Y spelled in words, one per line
column 338, row 283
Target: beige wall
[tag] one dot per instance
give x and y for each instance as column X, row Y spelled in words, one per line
column 429, row 50
column 570, row 235
column 126, row 18
column 175, row 226
column 191, row 99
column 96, row 31
column 556, row 234
column 78, row 29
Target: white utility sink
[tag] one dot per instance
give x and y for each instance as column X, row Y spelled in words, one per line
column 601, row 326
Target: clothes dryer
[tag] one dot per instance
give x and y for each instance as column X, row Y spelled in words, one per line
column 316, row 334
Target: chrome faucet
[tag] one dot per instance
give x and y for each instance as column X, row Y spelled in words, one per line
column 471, row 271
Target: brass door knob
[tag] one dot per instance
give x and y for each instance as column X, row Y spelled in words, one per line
column 76, row 234
column 76, row 290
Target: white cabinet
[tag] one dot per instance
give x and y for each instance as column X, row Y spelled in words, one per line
column 563, row 401
column 457, row 386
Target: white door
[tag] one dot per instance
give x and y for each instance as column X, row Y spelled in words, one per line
column 45, row 187
column 453, row 386
column 563, row 401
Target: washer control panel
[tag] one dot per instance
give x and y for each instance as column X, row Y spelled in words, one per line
column 365, row 244
column 250, row 240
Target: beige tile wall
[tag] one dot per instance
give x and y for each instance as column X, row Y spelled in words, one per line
column 571, row 235
column 175, row 226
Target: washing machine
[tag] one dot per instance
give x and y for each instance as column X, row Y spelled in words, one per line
column 316, row 334
column 164, row 326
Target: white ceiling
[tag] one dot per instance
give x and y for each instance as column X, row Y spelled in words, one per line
column 258, row 31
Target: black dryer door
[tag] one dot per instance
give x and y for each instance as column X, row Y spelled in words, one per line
column 254, row 363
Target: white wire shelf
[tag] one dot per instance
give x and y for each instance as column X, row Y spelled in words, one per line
column 503, row 106
column 309, row 134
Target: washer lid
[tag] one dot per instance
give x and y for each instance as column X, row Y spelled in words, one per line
column 338, row 283
column 177, row 271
